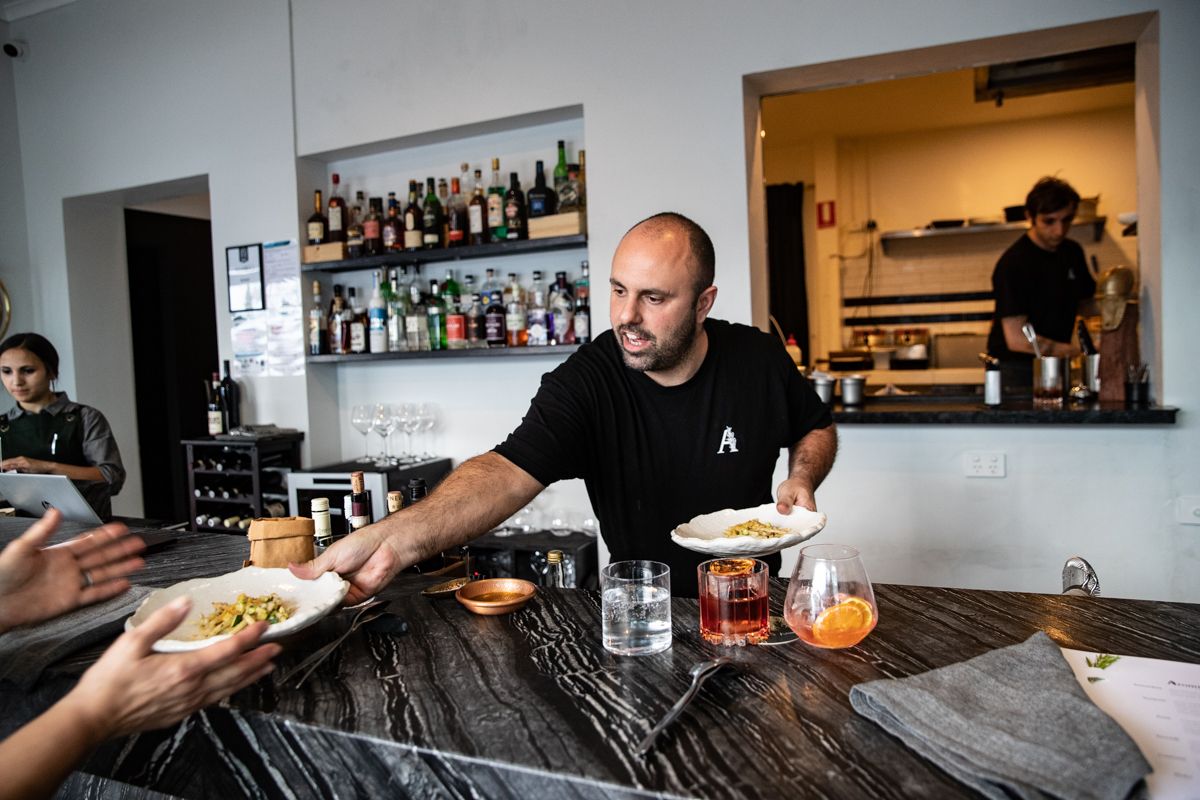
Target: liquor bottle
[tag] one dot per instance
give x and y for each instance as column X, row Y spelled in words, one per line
column 318, row 225
column 456, row 322
column 477, row 214
column 492, row 291
column 435, row 309
column 358, row 322
column 417, row 490
column 336, row 211
column 494, row 333
column 432, row 225
column 497, row 229
column 354, row 228
column 450, row 288
column 216, row 420
column 231, row 522
column 542, row 201
column 535, row 312
column 456, row 216
column 318, row 325
column 360, row 502
column 416, row 322
column 560, row 175
column 339, row 327
column 397, row 301
column 581, row 189
column 515, row 214
column 393, row 228
column 322, row 524
column 231, row 400
column 225, row 493
column 413, row 220
column 377, row 318
column 476, row 324
column 573, row 187
column 554, row 570
column 395, row 501
column 372, row 228
column 583, row 305
column 443, row 194
column 244, row 524
column 516, row 334
column 562, row 306
column 511, row 288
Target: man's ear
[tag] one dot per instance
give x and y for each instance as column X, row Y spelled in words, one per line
column 705, row 302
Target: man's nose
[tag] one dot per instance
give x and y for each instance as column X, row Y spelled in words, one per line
column 624, row 311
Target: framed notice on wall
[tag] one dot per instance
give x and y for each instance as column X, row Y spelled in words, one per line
column 244, row 267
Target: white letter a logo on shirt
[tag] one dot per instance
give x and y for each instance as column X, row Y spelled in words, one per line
column 728, row 440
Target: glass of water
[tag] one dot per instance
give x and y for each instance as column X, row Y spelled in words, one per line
column 635, row 605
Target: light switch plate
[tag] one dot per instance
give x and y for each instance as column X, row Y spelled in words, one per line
column 984, row 464
column 1187, row 509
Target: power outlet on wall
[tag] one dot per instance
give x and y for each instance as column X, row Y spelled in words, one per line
column 1187, row 509
column 984, row 464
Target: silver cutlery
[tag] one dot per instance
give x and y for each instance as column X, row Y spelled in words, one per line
column 701, row 672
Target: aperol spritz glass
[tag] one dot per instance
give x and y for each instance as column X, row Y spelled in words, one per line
column 830, row 602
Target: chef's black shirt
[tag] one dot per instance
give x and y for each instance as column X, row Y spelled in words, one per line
column 654, row 456
column 1045, row 286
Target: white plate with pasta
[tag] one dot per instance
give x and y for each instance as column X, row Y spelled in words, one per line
column 758, row 531
column 224, row 604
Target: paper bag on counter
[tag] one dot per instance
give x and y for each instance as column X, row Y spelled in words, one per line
column 278, row 541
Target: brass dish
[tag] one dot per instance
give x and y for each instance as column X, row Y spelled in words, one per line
column 495, row 595
column 445, row 588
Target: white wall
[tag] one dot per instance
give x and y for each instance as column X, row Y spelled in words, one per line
column 14, row 247
column 129, row 93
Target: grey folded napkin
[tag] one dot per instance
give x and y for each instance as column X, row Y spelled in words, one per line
column 1012, row 722
column 27, row 651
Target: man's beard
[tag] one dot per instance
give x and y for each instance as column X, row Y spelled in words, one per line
column 662, row 354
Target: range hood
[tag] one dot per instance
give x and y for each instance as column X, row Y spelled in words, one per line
column 1080, row 70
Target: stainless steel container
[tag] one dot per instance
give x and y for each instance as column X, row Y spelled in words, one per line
column 823, row 384
column 1091, row 373
column 852, row 390
column 1050, row 380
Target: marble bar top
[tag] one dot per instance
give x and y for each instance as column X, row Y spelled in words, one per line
column 531, row 705
column 927, row 411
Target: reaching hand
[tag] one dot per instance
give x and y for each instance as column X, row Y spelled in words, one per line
column 26, row 464
column 365, row 558
column 38, row 583
column 794, row 492
column 131, row 688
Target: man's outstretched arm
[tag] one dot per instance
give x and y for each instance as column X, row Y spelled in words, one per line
column 809, row 461
column 483, row 492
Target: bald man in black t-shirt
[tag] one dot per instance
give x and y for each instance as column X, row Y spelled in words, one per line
column 667, row 415
column 1042, row 279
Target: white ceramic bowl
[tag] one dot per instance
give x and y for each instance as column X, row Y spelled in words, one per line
column 706, row 533
column 311, row 599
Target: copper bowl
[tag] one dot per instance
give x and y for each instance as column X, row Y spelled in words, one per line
column 495, row 595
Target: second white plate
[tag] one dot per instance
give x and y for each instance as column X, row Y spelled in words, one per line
column 706, row 533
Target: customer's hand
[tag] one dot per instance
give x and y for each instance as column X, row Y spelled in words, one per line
column 366, row 558
column 794, row 492
column 131, row 688
column 38, row 583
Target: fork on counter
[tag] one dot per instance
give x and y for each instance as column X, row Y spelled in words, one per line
column 367, row 613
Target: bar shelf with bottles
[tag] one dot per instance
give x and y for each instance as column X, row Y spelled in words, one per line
column 232, row 482
column 465, row 252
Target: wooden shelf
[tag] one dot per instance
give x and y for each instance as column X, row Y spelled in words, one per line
column 409, row 257
column 558, row 350
column 1097, row 225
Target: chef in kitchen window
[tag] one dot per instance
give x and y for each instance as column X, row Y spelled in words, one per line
column 1042, row 279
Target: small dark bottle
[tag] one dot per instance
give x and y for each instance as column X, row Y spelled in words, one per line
column 231, row 400
column 373, row 228
column 431, row 238
column 318, row 223
column 542, row 201
column 514, row 209
column 360, row 502
column 417, row 489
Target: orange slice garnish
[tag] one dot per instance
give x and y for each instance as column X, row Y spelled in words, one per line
column 732, row 566
column 844, row 624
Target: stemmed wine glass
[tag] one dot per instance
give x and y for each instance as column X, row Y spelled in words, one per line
column 830, row 602
column 362, row 417
column 429, row 419
column 410, row 423
column 384, row 422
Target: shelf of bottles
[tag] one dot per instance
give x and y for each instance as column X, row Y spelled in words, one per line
column 231, row 483
column 407, row 258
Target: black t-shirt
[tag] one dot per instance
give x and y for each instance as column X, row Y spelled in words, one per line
column 1045, row 286
column 654, row 456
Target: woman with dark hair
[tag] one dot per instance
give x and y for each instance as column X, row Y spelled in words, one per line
column 47, row 433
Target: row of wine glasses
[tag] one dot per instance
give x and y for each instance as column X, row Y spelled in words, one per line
column 387, row 418
column 559, row 521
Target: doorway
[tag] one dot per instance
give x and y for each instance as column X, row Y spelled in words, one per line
column 173, row 324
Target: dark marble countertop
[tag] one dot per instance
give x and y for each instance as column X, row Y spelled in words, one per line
column 531, row 705
column 917, row 410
